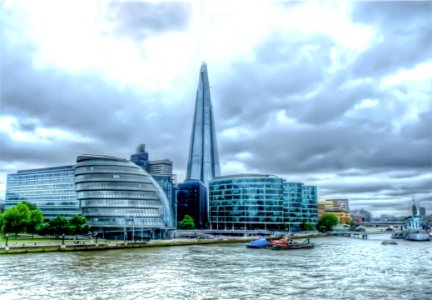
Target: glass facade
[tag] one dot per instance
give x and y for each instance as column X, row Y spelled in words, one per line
column 293, row 205
column 260, row 202
column 141, row 157
column 192, row 200
column 52, row 190
column 310, row 204
column 119, row 197
column 203, row 163
column 246, row 202
column 160, row 170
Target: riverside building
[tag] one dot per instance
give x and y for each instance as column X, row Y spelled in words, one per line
column 52, row 190
column 192, row 200
column 254, row 201
column 119, row 199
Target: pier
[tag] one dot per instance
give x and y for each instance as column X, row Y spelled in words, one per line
column 354, row 234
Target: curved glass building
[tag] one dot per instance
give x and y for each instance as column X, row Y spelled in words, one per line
column 118, row 198
column 248, row 202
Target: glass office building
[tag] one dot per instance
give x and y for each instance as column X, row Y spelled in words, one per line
column 52, row 190
column 293, row 205
column 246, row 202
column 261, row 202
column 120, row 198
column 310, row 204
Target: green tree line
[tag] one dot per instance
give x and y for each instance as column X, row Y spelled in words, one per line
column 27, row 218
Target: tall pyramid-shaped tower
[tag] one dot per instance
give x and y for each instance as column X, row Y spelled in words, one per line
column 203, row 163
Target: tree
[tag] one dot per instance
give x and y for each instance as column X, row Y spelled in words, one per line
column 36, row 218
column 15, row 219
column 326, row 222
column 187, row 223
column 58, row 225
column 77, row 225
column 307, row 226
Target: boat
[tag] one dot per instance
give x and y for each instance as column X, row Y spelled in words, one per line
column 413, row 228
column 398, row 235
column 289, row 244
column 418, row 235
column 389, row 243
column 259, row 243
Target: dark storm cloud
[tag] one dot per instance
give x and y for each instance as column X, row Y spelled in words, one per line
column 289, row 75
column 286, row 65
column 140, row 19
column 406, row 28
column 103, row 117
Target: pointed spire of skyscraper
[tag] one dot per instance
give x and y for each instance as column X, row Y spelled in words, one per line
column 203, row 163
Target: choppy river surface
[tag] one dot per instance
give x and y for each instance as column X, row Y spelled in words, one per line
column 338, row 268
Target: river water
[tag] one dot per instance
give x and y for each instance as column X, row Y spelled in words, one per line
column 338, row 268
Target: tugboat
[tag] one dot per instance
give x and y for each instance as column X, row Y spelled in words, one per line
column 289, row 244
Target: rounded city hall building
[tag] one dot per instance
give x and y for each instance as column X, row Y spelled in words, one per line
column 121, row 200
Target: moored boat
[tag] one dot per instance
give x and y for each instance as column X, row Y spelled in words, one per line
column 259, row 243
column 398, row 235
column 389, row 243
column 419, row 235
column 289, row 244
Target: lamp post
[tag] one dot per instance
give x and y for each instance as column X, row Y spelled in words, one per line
column 133, row 229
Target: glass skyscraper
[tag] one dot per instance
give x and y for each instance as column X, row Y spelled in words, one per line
column 118, row 197
column 203, row 163
column 52, row 190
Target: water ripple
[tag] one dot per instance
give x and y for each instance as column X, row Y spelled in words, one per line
column 338, row 268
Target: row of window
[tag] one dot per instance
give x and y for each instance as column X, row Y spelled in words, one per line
column 120, row 203
column 247, row 203
column 121, row 222
column 105, row 169
column 261, row 220
column 117, row 194
column 37, row 198
column 131, row 213
column 115, row 186
column 111, row 177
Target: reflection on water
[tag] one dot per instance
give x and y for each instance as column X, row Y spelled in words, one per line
column 338, row 268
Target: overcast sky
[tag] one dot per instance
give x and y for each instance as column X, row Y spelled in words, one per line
column 335, row 94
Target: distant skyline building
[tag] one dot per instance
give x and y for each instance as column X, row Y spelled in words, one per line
column 162, row 167
column 52, row 190
column 339, row 203
column 422, row 211
column 203, row 162
column 141, row 157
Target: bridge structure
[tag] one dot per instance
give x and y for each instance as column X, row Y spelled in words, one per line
column 383, row 223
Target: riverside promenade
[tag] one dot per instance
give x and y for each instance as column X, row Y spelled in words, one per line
column 20, row 248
